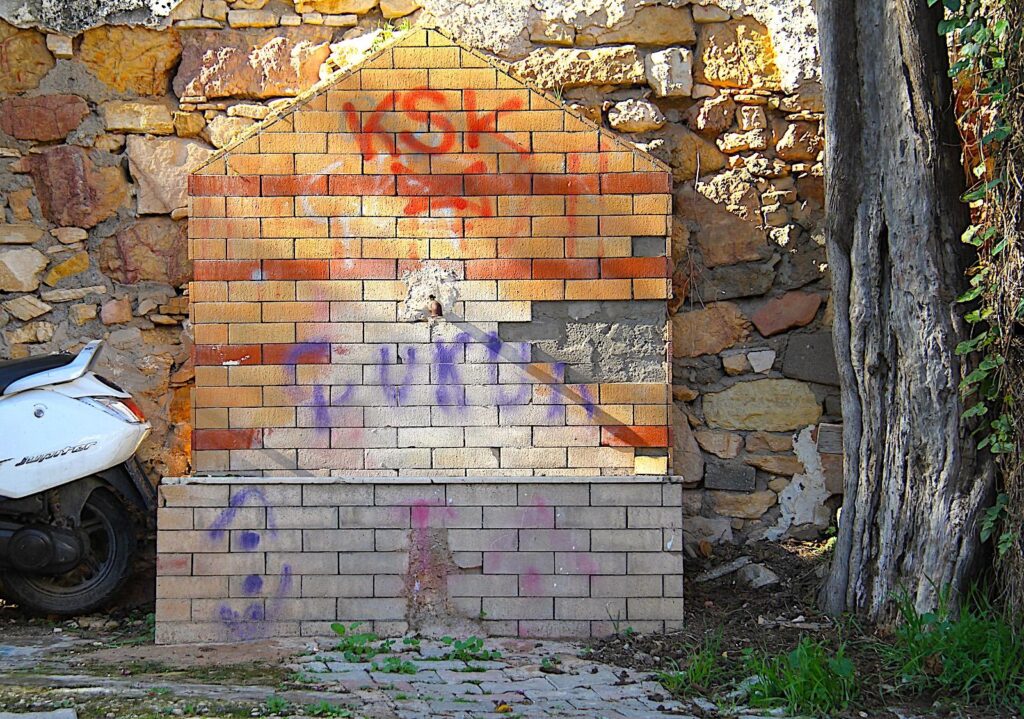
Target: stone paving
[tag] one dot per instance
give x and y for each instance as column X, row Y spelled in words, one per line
column 531, row 679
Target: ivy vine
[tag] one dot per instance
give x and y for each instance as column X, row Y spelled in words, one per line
column 977, row 33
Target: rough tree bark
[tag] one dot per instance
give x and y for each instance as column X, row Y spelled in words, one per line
column 914, row 484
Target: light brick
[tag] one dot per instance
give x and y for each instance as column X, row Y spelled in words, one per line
column 518, row 607
column 626, row 540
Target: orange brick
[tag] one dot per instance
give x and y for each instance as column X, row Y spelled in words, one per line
column 564, row 269
column 600, row 162
column 536, row 120
column 531, row 247
column 296, row 312
column 327, row 206
column 358, row 186
column 543, row 101
column 430, row 227
column 223, row 227
column 211, row 418
column 471, row 59
column 334, row 247
column 463, row 206
column 225, row 312
column 634, row 183
column 209, row 376
column 570, row 226
column 262, row 416
column 387, row 79
column 223, row 186
column 652, row 204
column 401, row 248
column 282, row 124
column 206, row 207
column 485, row 184
column 208, row 292
column 404, row 165
column 262, row 291
column 243, row 249
column 228, row 397
column 382, row 59
column 261, row 164
column 360, row 100
column 349, row 143
column 306, row 120
column 292, row 142
column 385, row 206
column 210, row 334
column 634, row 267
column 634, row 393
column 328, row 164
column 565, row 184
column 519, row 143
column 502, row 99
column 295, row 185
column 463, row 163
column 503, row 269
column 632, row 435
column 498, row 227
column 208, row 249
column 565, row 142
column 327, row 290
column 430, row 185
column 652, row 289
column 537, row 162
column 578, row 124
column 463, row 248
column 519, row 205
column 458, row 79
column 207, row 270
column 362, row 227
column 219, row 354
column 383, row 291
column 602, row 414
column 357, row 269
column 260, row 375
column 650, row 414
column 294, row 226
column 426, row 57
column 260, row 207
column 634, row 225
column 531, row 290
column 598, row 290
column 295, row 270
column 261, row 333
column 599, row 205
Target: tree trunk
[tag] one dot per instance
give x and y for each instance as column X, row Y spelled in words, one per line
column 914, row 486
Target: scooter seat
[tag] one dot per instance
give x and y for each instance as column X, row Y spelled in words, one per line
column 13, row 370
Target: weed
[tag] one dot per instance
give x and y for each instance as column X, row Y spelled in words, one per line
column 808, row 680
column 394, row 665
column 160, row 691
column 978, row 657
column 354, row 645
column 276, row 705
column 469, row 650
column 698, row 673
column 326, row 709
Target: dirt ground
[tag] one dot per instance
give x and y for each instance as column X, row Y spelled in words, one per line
column 70, row 659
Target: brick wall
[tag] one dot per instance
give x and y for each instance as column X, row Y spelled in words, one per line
column 558, row 558
column 318, row 238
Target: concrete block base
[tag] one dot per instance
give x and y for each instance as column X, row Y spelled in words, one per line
column 249, row 558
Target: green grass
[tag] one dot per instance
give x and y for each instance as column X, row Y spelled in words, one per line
column 977, row 657
column 699, row 672
column 808, row 680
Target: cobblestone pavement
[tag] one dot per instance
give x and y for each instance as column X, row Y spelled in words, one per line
column 530, row 679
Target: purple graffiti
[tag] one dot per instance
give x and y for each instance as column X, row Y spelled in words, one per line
column 395, row 393
column 448, row 374
column 251, row 621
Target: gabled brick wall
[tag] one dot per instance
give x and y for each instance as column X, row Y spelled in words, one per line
column 430, row 162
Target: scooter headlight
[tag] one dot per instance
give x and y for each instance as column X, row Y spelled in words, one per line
column 124, row 409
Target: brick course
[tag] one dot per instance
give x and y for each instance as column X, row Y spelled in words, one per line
column 276, row 558
column 304, row 235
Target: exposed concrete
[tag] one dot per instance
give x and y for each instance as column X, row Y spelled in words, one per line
column 802, row 502
column 599, row 341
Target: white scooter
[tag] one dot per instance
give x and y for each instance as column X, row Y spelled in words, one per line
column 69, row 483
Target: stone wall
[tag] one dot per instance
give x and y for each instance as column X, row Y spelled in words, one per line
column 530, row 559
column 99, row 129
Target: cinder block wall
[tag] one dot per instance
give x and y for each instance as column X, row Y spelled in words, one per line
column 319, row 237
column 244, row 560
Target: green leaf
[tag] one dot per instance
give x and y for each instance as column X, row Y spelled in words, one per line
column 971, row 294
column 977, row 410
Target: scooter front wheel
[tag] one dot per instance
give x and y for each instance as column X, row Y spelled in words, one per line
column 108, row 538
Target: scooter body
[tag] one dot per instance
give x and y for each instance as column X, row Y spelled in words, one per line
column 55, row 434
column 68, row 479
